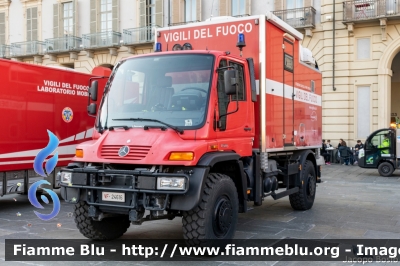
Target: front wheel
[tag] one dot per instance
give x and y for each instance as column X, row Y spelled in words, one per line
column 216, row 215
column 304, row 198
column 386, row 169
column 106, row 229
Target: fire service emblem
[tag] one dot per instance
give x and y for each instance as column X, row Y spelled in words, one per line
column 67, row 114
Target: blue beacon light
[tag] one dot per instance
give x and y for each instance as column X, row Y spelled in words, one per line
column 158, row 47
column 241, row 42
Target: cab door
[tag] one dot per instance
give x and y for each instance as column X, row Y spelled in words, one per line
column 374, row 151
column 235, row 117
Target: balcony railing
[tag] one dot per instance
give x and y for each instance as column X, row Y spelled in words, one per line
column 31, row 48
column 103, row 39
column 5, row 51
column 139, row 35
column 358, row 10
column 298, row 18
column 63, row 44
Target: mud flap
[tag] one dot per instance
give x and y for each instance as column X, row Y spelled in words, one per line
column 319, row 174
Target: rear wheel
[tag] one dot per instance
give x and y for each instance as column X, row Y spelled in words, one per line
column 106, row 229
column 386, row 169
column 304, row 198
column 216, row 215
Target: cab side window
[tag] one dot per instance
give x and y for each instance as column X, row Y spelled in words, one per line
column 223, row 99
column 379, row 138
column 240, row 79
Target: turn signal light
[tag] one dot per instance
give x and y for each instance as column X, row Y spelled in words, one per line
column 79, row 153
column 181, row 156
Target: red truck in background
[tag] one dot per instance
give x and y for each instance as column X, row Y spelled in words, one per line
column 34, row 99
column 206, row 128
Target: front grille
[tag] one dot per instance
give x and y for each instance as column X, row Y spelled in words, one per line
column 135, row 152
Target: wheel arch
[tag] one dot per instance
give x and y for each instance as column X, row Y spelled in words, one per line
column 229, row 163
column 306, row 155
column 213, row 162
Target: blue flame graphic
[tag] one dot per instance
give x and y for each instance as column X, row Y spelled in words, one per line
column 32, row 198
column 42, row 155
column 49, row 166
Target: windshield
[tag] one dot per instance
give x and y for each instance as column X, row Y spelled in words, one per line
column 173, row 89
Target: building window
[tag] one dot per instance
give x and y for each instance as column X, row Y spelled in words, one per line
column 64, row 19
column 234, row 7
column 294, row 5
column 68, row 18
column 190, row 10
column 184, row 11
column 151, row 13
column 363, row 49
column 363, row 112
column 2, row 28
column 31, row 24
column 106, row 15
column 238, row 7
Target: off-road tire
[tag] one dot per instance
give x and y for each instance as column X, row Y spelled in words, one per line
column 106, row 229
column 304, row 198
column 216, row 215
column 385, row 169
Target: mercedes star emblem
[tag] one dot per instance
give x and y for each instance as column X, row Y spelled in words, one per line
column 123, row 151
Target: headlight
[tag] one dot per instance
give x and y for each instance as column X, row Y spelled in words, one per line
column 66, row 177
column 171, row 183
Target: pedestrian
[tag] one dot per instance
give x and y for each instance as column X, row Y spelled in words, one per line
column 338, row 151
column 325, row 153
column 341, row 142
column 357, row 148
column 328, row 144
column 345, row 152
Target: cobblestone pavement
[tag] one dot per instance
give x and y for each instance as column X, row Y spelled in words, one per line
column 351, row 203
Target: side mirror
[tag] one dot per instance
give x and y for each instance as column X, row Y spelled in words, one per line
column 93, row 90
column 92, row 109
column 230, row 82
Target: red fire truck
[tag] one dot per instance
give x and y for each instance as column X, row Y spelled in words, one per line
column 34, row 99
column 201, row 127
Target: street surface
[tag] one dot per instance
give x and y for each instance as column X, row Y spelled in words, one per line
column 351, row 203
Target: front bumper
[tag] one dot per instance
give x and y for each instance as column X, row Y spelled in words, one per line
column 138, row 186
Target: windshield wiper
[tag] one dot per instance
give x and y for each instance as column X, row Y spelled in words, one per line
column 163, row 128
column 114, row 127
column 177, row 129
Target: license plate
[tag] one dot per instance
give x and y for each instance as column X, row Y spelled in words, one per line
column 113, row 196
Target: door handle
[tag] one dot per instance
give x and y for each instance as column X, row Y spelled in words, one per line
column 247, row 129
